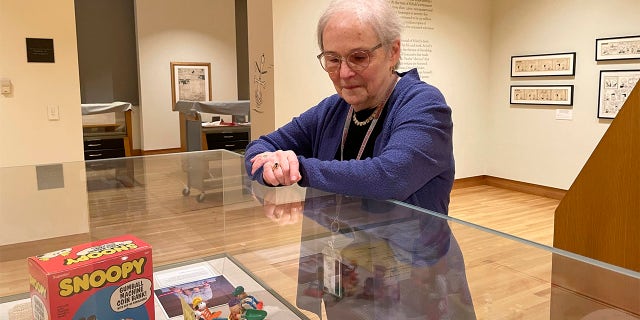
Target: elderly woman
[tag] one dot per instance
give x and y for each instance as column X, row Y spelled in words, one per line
column 384, row 135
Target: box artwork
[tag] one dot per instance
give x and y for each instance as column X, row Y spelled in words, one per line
column 106, row 279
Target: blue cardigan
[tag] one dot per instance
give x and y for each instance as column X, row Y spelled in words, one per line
column 412, row 156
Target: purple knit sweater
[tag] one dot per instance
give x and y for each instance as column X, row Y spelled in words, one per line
column 412, row 157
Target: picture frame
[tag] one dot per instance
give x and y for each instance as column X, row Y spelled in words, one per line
column 615, row 87
column 618, row 48
column 540, row 65
column 560, row 95
column 190, row 81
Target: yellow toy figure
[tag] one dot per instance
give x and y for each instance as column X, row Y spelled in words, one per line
column 187, row 312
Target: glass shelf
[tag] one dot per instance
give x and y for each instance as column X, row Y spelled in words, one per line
column 305, row 252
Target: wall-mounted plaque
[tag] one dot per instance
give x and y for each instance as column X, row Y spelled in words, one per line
column 40, row 50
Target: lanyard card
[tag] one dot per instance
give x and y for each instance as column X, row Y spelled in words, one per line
column 332, row 275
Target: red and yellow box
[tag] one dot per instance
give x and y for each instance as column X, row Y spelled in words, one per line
column 106, row 279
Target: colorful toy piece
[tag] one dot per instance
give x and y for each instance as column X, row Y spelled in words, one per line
column 246, row 301
column 202, row 312
column 238, row 313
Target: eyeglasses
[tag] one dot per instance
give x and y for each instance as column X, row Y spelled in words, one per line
column 357, row 60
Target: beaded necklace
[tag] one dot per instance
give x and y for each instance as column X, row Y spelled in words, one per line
column 373, row 118
column 362, row 123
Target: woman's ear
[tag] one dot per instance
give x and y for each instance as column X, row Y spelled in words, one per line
column 394, row 52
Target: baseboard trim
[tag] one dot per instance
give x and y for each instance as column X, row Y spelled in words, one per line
column 525, row 187
column 160, row 151
column 469, row 182
column 20, row 250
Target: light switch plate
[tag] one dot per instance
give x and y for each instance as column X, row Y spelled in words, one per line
column 53, row 112
column 5, row 86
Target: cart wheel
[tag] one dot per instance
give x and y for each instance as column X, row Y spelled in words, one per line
column 200, row 197
column 186, row 191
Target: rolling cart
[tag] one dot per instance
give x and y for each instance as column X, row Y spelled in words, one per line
column 201, row 135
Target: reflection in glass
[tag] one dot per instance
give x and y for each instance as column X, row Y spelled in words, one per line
column 369, row 259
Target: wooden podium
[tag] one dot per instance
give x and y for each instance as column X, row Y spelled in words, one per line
column 599, row 218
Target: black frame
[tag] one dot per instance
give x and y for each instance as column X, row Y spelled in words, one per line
column 612, row 94
column 634, row 48
column 549, row 68
column 514, row 99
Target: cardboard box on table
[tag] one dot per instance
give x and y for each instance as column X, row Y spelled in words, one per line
column 105, row 279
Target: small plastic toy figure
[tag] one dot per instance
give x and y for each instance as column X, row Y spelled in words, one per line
column 236, row 309
column 202, row 312
column 246, row 301
column 238, row 313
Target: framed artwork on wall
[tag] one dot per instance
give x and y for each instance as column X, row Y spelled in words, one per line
column 190, row 81
column 561, row 95
column 618, row 48
column 539, row 65
column 615, row 87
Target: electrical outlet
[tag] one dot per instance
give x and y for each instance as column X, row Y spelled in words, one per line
column 53, row 113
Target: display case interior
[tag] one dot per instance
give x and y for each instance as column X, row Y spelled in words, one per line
column 307, row 254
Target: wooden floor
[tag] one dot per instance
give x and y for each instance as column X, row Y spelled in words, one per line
column 504, row 266
column 523, row 215
column 508, row 278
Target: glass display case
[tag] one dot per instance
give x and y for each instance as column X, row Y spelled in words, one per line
column 301, row 253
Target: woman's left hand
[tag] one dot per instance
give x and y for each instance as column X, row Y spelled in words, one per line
column 280, row 168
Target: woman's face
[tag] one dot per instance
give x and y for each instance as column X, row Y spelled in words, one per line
column 363, row 89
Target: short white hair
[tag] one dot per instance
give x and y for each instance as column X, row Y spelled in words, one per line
column 377, row 13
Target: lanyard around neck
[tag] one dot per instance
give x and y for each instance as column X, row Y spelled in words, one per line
column 345, row 131
column 347, row 124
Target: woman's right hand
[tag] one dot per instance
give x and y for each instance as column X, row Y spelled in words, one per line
column 285, row 213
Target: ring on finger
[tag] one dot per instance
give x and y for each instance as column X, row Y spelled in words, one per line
column 275, row 166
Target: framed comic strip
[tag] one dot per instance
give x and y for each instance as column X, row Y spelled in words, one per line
column 561, row 95
column 618, row 48
column 190, row 81
column 615, row 87
column 539, row 65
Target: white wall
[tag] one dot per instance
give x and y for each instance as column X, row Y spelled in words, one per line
column 300, row 82
column 472, row 46
column 526, row 143
column 471, row 60
column 27, row 137
column 461, row 47
column 29, row 214
column 461, row 41
column 181, row 31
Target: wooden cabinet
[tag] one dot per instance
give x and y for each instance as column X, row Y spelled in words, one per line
column 232, row 138
column 196, row 135
column 108, row 140
column 103, row 148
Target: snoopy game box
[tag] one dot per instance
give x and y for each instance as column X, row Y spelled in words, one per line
column 105, row 279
